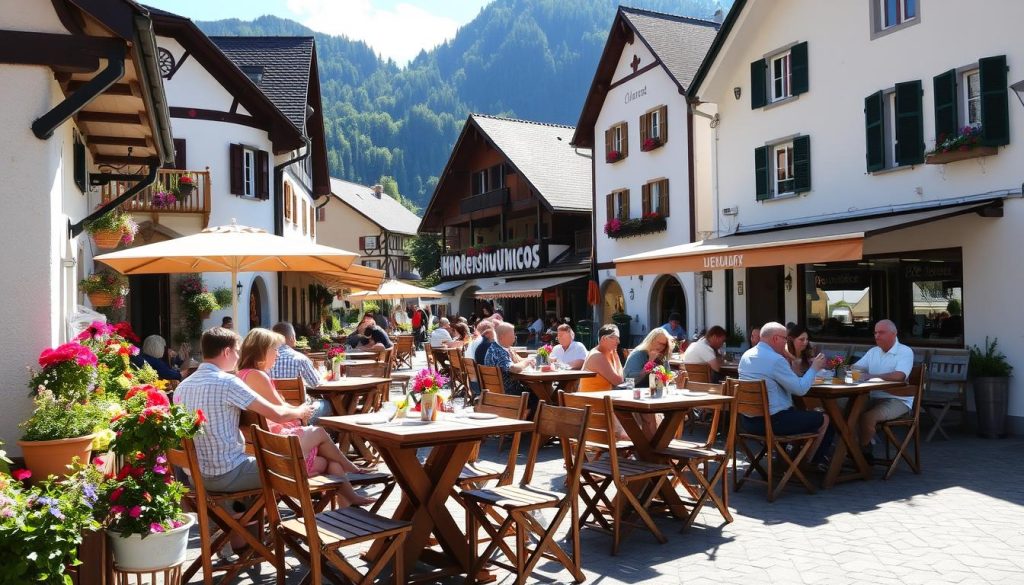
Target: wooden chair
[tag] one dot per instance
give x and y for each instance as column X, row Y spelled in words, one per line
column 405, row 351
column 293, row 390
column 946, row 390
column 635, row 482
column 516, row 505
column 698, row 373
column 690, row 459
column 214, row 512
column 490, row 378
column 429, row 354
column 911, row 423
column 459, row 379
column 439, row 355
column 752, row 400
column 316, row 538
column 471, row 377
column 477, row 471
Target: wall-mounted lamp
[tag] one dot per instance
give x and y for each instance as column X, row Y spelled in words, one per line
column 1018, row 88
column 707, row 279
column 238, row 289
column 631, row 294
column 737, row 92
column 788, row 282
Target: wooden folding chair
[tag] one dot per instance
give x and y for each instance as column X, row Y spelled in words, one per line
column 911, row 423
column 470, row 365
column 293, row 390
column 429, row 354
column 946, row 390
column 477, row 471
column 516, row 504
column 490, row 379
column 214, row 512
column 459, row 379
column 405, row 351
column 439, row 356
column 316, row 538
column 694, row 459
column 698, row 373
column 752, row 400
column 635, row 482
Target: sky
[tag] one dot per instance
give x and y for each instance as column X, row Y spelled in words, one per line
column 396, row 29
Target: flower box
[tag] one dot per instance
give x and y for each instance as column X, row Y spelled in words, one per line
column 614, row 156
column 107, row 239
column 101, row 299
column 942, row 158
column 628, row 228
column 651, row 144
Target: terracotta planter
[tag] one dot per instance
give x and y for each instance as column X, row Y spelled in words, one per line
column 205, row 314
column 159, row 550
column 101, row 299
column 941, row 158
column 107, row 239
column 44, row 458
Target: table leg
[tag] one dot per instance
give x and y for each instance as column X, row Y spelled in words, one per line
column 543, row 390
column 847, row 446
column 645, row 451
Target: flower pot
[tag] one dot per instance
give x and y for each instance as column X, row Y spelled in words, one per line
column 540, row 360
column 429, row 405
column 942, row 158
column 336, row 368
column 101, row 299
column 657, row 388
column 991, row 399
column 185, row 189
column 107, row 239
column 205, row 314
column 158, row 550
column 45, row 458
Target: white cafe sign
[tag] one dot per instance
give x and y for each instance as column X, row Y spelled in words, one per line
column 503, row 260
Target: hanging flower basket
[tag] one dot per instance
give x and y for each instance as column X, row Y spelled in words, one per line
column 107, row 239
column 101, row 299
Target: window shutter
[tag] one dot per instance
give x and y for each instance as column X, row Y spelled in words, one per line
column 608, row 142
column 645, row 199
column 295, row 208
column 625, row 204
column 798, row 68
column 645, row 127
column 609, row 201
column 945, row 105
column 287, row 201
column 179, row 155
column 995, row 108
column 235, row 152
column 909, row 124
column 625, row 139
column 874, row 124
column 663, row 124
column 761, row 173
column 802, row 164
column 758, row 84
column 262, row 174
column 362, row 242
column 312, row 221
column 663, row 198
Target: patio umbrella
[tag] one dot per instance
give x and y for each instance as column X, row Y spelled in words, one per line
column 356, row 279
column 396, row 289
column 230, row 248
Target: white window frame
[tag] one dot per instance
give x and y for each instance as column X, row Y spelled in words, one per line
column 371, row 263
column 394, row 242
column 617, row 137
column 786, row 77
column 878, row 14
column 367, row 240
column 889, row 115
column 654, row 192
column 966, row 99
column 654, row 128
column 786, row 149
column 618, row 198
column 248, row 172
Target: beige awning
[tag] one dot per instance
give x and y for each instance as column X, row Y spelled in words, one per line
column 356, row 279
column 831, row 242
column 523, row 289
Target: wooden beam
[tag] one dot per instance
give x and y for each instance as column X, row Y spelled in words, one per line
column 79, row 54
column 116, row 89
column 119, row 141
column 109, row 117
column 115, row 159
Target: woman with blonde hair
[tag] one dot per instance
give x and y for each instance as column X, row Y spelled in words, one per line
column 656, row 347
column 256, row 358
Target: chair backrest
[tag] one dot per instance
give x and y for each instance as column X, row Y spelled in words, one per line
column 698, row 372
column 429, row 353
column 921, row 355
column 569, row 425
column 186, row 458
column 751, row 399
column 490, row 378
column 506, row 406
column 457, row 367
column 403, row 347
column 283, row 473
column 293, row 390
column 947, row 373
column 378, row 369
column 600, row 435
column 470, row 365
column 918, row 378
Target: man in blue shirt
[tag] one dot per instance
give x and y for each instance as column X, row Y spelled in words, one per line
column 766, row 361
column 675, row 327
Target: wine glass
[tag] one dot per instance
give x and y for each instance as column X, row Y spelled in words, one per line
column 459, row 406
column 388, row 410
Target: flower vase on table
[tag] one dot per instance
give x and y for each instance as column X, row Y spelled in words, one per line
column 659, row 377
column 543, row 355
column 429, row 406
column 337, row 357
column 428, row 384
column 838, row 367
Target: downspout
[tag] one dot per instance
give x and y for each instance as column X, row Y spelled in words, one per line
column 44, row 125
column 279, row 212
column 697, row 279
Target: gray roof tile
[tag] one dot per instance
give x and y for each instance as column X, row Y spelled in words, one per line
column 680, row 42
column 389, row 214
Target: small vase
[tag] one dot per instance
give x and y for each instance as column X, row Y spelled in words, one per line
column 540, row 360
column 159, row 550
column 657, row 388
column 336, row 368
column 429, row 406
column 840, row 375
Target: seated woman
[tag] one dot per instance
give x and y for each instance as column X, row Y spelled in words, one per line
column 462, row 333
column 603, row 360
column 152, row 354
column 657, row 348
column 798, row 348
column 257, row 357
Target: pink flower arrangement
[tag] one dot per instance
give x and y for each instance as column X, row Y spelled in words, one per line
column 835, row 362
column 545, row 351
column 660, row 372
column 336, row 354
column 650, row 144
column 613, row 226
column 428, row 381
column 72, row 350
column 614, row 156
column 164, row 199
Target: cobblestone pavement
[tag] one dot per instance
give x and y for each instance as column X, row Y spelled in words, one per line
column 960, row 521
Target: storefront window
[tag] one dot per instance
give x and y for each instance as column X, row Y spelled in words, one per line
column 922, row 292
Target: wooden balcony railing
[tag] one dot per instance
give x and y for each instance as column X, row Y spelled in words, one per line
column 198, row 202
column 582, row 241
column 495, row 198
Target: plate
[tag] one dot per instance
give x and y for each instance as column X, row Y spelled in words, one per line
column 371, row 421
column 482, row 415
column 415, row 422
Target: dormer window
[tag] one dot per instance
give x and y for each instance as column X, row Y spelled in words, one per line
column 253, row 72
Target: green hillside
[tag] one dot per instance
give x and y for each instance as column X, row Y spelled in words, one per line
column 531, row 59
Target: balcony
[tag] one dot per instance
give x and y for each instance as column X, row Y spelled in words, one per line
column 197, row 203
column 582, row 241
column 495, row 198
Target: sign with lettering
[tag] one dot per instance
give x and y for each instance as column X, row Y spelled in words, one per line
column 498, row 261
column 635, row 94
column 931, row 271
column 841, row 279
column 723, row 261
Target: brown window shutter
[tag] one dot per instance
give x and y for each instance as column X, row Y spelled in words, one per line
column 362, row 242
column 645, row 124
column 312, row 221
column 663, row 124
column 287, row 201
column 625, row 139
column 262, row 174
column 237, row 187
column 295, row 206
column 609, row 201
column 179, row 155
column 645, row 199
column 663, row 197
column 625, row 204
column 608, row 141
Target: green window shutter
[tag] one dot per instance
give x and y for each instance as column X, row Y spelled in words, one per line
column 798, row 69
column 995, row 109
column 758, row 84
column 761, row 173
column 801, row 164
column 909, row 124
column 945, row 105
column 874, row 123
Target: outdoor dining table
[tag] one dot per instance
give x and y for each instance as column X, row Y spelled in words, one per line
column 344, row 394
column 426, row 486
column 845, row 424
column 543, row 383
column 674, row 406
column 360, row 355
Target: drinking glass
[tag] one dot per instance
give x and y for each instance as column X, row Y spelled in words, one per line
column 856, row 374
column 388, row 410
column 459, row 405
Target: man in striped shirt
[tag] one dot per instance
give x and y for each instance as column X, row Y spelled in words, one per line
column 292, row 364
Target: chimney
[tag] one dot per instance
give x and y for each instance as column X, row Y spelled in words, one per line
column 377, row 189
column 719, row 16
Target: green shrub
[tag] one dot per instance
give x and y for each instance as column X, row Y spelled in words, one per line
column 223, row 295
column 990, row 362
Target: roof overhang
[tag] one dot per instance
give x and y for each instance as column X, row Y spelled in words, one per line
column 526, row 288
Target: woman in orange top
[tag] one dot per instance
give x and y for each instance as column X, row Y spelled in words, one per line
column 603, row 360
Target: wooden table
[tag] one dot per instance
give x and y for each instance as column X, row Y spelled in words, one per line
column 426, row 486
column 846, row 423
column 543, row 383
column 344, row 394
column 352, row 355
column 674, row 407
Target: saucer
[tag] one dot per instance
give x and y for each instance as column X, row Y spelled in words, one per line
column 482, row 415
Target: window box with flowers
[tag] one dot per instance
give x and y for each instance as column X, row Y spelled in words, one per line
column 964, row 145
column 627, row 228
column 112, row 229
column 650, row 144
column 614, row 156
column 105, row 289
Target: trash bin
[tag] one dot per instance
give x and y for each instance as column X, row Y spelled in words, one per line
column 991, row 398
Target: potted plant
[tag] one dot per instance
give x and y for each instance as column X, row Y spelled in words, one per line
column 113, row 347
column 105, row 289
column 202, row 304
column 990, row 373
column 58, row 431
column 543, row 355
column 614, row 156
column 223, row 295
column 337, row 356
column 185, row 185
column 141, row 506
column 163, row 198
column 427, row 385
column 112, row 229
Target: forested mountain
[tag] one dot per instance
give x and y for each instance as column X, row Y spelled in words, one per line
column 531, row 59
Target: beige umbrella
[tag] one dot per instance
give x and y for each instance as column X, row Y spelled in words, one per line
column 231, row 248
column 356, row 279
column 396, row 289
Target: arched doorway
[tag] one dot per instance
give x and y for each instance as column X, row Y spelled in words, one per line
column 613, row 301
column 667, row 297
column 258, row 307
column 468, row 303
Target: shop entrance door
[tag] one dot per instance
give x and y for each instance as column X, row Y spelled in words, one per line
column 765, row 299
column 149, row 307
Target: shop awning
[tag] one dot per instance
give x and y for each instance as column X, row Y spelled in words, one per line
column 446, row 287
column 827, row 242
column 356, row 278
column 524, row 289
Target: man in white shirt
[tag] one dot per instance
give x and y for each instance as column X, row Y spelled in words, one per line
column 568, row 351
column 442, row 335
column 891, row 361
column 705, row 350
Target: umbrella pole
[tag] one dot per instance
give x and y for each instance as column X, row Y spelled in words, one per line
column 234, row 301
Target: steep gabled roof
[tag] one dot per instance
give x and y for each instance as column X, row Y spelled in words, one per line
column 384, row 211
column 709, row 60
column 678, row 42
column 285, row 63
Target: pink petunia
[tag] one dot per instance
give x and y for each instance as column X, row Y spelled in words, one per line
column 117, row 510
column 21, row 474
column 135, row 512
column 155, row 527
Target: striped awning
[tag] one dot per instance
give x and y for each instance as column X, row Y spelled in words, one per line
column 523, row 289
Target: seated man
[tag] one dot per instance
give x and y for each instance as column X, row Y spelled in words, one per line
column 153, row 349
column 766, row 361
column 569, row 352
column 675, row 327
column 378, row 338
column 500, row 354
column 892, row 361
column 441, row 336
column 706, row 351
column 292, row 364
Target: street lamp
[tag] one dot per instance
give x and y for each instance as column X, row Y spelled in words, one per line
column 707, row 280
column 238, row 289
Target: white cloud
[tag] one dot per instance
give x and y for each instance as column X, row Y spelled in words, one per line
column 399, row 33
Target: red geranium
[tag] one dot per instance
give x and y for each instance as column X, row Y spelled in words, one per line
column 73, row 350
column 124, row 329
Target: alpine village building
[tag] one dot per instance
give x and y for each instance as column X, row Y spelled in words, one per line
column 851, row 186
column 513, row 206
column 636, row 119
